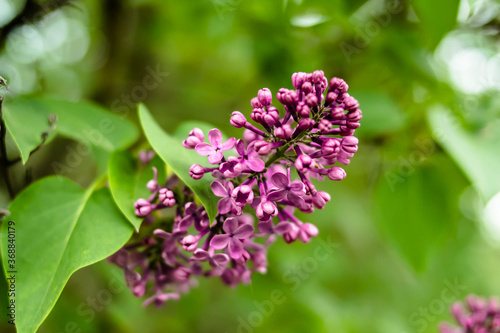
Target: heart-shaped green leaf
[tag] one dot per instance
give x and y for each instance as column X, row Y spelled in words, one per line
column 59, row 228
column 27, row 119
column 128, row 180
column 179, row 159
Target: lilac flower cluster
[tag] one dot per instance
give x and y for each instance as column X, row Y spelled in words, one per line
column 481, row 316
column 256, row 178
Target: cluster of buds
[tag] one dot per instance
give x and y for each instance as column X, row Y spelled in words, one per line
column 265, row 177
column 481, row 316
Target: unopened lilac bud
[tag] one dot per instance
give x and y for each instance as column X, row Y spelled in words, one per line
column 307, row 87
column 306, row 123
column 196, row 171
column 272, row 116
column 298, row 79
column 257, row 114
column 324, row 125
column 330, row 97
column 303, row 109
column 250, row 136
column 284, row 132
column 182, row 274
column 336, row 173
column 330, row 148
column 317, row 76
column 291, row 235
column 320, row 198
column 349, row 144
column 152, row 185
column 262, row 147
column 307, row 231
column 237, row 120
column 189, row 243
column 311, row 99
column 304, row 163
column 265, row 96
column 351, row 103
column 339, row 84
column 142, row 207
column 195, row 137
column 255, row 103
column 166, row 197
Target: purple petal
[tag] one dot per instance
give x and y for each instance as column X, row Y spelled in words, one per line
column 243, row 232
column 276, row 195
column 240, row 147
column 224, row 205
column 230, row 225
column 279, row 180
column 215, row 137
column 220, row 241
column 200, row 254
column 310, row 229
column 229, row 144
column 283, row 228
column 204, row 149
column 266, row 227
column 295, row 199
column 218, row 189
column 235, row 248
column 220, row 258
column 256, row 164
column 162, row 234
column 298, row 187
column 215, row 157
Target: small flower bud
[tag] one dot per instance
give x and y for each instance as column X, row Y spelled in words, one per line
column 262, row 147
column 195, row 137
column 303, row 109
column 166, row 197
column 304, row 163
column 284, row 132
column 320, row 198
column 250, row 136
column 196, row 171
column 237, row 120
column 255, row 103
column 336, row 173
column 243, row 194
column 317, row 76
column 142, row 207
column 330, row 148
column 307, row 87
column 265, row 96
column 311, row 99
column 189, row 243
column 306, row 123
column 298, row 79
column 324, row 125
column 351, row 103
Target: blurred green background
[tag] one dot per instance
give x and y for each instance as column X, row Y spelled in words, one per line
column 414, row 226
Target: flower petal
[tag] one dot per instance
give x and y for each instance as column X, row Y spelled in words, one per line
column 235, row 248
column 276, row 195
column 279, row 180
column 229, row 144
column 295, row 199
column 200, row 254
column 243, row 232
column 215, row 157
column 283, row 228
column 220, row 241
column 215, row 137
column 256, row 164
column 230, row 225
column 220, row 258
column 204, row 149
column 218, row 189
column 240, row 147
column 224, row 205
column 298, row 187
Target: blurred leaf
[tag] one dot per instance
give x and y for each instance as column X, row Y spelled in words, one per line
column 416, row 207
column 128, row 180
column 86, row 122
column 475, row 152
column 381, row 114
column 179, row 159
column 436, row 18
column 308, row 20
column 59, row 228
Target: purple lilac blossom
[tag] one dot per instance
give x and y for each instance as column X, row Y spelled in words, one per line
column 264, row 179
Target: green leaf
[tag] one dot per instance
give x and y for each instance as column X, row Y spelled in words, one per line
column 475, row 152
column 128, row 180
column 416, row 207
column 179, row 159
column 26, row 120
column 59, row 228
column 436, row 18
column 381, row 114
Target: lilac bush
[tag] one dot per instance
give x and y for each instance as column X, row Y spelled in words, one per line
column 478, row 316
column 265, row 178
